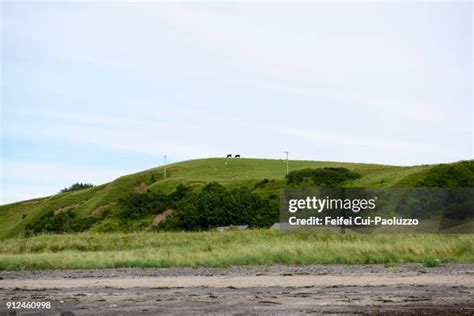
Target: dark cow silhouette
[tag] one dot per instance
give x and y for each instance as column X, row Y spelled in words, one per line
column 229, row 156
column 237, row 156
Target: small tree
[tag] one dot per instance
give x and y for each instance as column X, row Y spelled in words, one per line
column 77, row 186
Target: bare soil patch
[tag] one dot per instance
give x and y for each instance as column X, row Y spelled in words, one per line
column 65, row 208
column 160, row 217
column 100, row 209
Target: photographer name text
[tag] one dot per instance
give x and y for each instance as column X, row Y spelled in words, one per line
column 350, row 221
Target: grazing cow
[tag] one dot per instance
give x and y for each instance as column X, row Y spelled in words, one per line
column 237, row 156
column 229, row 156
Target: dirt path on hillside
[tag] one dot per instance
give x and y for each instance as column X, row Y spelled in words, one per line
column 333, row 289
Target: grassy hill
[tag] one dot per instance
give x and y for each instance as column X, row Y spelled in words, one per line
column 194, row 174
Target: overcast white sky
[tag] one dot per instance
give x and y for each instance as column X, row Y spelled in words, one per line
column 94, row 90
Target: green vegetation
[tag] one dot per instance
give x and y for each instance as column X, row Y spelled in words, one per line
column 77, row 186
column 459, row 174
column 138, row 205
column 60, row 223
column 322, row 177
column 114, row 224
column 209, row 207
column 216, row 205
column 222, row 249
column 104, row 208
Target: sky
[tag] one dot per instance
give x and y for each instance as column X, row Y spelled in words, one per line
column 94, row 90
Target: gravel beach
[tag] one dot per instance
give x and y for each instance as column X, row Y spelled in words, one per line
column 319, row 289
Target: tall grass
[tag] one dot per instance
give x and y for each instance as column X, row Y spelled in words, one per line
column 222, row 249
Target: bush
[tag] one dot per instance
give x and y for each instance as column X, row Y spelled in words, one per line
column 51, row 223
column 450, row 176
column 64, row 222
column 216, row 206
column 324, row 177
column 77, row 186
column 261, row 184
column 138, row 205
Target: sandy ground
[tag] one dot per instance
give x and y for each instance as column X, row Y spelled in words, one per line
column 319, row 289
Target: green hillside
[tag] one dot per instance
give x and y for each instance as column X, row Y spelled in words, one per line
column 194, row 174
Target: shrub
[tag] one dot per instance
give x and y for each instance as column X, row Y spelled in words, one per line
column 216, row 206
column 261, row 184
column 51, row 223
column 64, row 222
column 138, row 205
column 324, row 177
column 460, row 174
column 77, row 186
